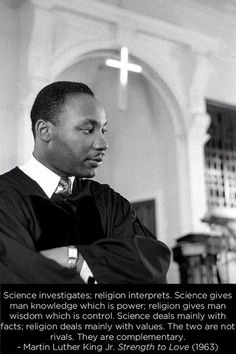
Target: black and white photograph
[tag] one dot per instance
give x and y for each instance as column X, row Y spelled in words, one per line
column 117, row 176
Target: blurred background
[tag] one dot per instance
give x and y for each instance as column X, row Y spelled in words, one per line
column 165, row 72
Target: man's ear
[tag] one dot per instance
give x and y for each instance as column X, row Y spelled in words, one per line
column 43, row 130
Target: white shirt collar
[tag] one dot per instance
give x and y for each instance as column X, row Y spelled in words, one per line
column 47, row 179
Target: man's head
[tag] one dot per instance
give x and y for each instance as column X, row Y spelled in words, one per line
column 68, row 124
column 51, row 99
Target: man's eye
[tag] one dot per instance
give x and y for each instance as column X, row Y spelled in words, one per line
column 88, row 131
column 104, row 131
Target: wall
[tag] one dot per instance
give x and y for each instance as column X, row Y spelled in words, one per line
column 24, row 141
column 212, row 17
column 9, row 76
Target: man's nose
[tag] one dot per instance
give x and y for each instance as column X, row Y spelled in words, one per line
column 100, row 143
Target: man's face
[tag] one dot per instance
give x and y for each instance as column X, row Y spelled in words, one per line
column 77, row 144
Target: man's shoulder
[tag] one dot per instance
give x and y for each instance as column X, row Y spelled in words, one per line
column 9, row 192
column 97, row 185
column 9, row 178
column 94, row 187
column 100, row 190
column 17, row 182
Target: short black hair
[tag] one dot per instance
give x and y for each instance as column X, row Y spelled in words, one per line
column 50, row 100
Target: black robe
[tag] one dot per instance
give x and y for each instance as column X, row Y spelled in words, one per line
column 101, row 223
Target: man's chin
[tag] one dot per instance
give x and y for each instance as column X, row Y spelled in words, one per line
column 91, row 175
column 86, row 174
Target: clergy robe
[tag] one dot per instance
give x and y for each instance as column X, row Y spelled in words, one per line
column 100, row 222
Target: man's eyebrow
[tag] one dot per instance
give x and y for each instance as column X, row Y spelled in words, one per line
column 92, row 122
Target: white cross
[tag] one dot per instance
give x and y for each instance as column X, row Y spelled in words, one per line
column 124, row 67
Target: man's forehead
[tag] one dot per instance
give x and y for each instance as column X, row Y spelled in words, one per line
column 80, row 99
column 82, row 102
column 86, row 107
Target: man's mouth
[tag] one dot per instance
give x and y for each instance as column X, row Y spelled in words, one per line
column 96, row 161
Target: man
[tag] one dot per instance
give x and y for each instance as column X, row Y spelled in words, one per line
column 58, row 226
